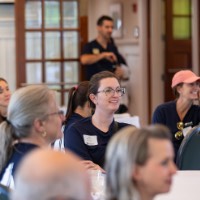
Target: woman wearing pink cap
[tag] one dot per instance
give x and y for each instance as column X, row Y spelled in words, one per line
column 181, row 113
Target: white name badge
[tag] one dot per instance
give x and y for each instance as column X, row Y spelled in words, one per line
column 186, row 130
column 90, row 140
column 95, row 51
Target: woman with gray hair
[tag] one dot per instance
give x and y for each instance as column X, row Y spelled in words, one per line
column 139, row 163
column 33, row 120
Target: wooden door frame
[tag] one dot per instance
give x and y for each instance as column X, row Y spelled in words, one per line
column 83, row 41
column 21, row 60
column 20, row 43
column 149, row 90
column 199, row 32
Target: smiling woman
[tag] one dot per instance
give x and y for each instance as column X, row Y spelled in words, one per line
column 89, row 137
column 4, row 98
column 181, row 114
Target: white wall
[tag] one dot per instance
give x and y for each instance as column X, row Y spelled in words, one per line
column 157, row 53
column 97, row 8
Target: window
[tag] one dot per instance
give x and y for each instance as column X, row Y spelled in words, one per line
column 48, row 44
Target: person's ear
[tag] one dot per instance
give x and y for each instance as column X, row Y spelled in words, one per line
column 38, row 125
column 136, row 174
column 178, row 88
column 88, row 104
column 93, row 98
column 98, row 28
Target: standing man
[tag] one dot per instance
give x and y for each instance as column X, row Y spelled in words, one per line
column 102, row 54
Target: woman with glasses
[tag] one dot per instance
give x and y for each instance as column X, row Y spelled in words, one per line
column 89, row 137
column 4, row 98
column 33, row 120
column 181, row 114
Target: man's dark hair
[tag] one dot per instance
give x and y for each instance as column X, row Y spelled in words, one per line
column 102, row 19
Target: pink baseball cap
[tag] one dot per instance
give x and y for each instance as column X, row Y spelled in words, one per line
column 184, row 76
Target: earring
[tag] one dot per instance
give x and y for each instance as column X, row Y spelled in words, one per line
column 44, row 134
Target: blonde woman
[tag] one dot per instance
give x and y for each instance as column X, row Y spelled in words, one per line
column 139, row 163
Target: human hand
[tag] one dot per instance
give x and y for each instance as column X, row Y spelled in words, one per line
column 110, row 56
column 119, row 72
column 88, row 164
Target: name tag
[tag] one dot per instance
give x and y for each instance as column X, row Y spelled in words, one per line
column 90, row 140
column 95, row 51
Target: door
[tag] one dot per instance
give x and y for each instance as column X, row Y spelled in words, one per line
column 178, row 52
column 83, row 41
column 47, row 43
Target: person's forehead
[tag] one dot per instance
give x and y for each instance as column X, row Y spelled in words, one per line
column 158, row 146
column 52, row 101
column 3, row 83
column 107, row 82
column 107, row 23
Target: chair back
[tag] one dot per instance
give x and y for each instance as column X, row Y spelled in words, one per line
column 188, row 157
column 126, row 118
column 4, row 192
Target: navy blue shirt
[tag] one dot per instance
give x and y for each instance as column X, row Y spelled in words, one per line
column 88, row 142
column 74, row 118
column 166, row 114
column 94, row 47
column 19, row 151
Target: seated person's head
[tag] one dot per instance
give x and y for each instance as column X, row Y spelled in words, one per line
column 32, row 115
column 78, row 101
column 105, row 86
column 34, row 109
column 4, row 97
column 45, row 174
column 139, row 162
column 182, row 80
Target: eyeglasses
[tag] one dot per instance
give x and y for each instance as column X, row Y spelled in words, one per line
column 110, row 92
column 179, row 134
column 60, row 113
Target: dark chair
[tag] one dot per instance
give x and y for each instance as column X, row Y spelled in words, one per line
column 4, row 192
column 188, row 157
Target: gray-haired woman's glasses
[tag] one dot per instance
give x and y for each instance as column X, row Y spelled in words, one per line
column 110, row 91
